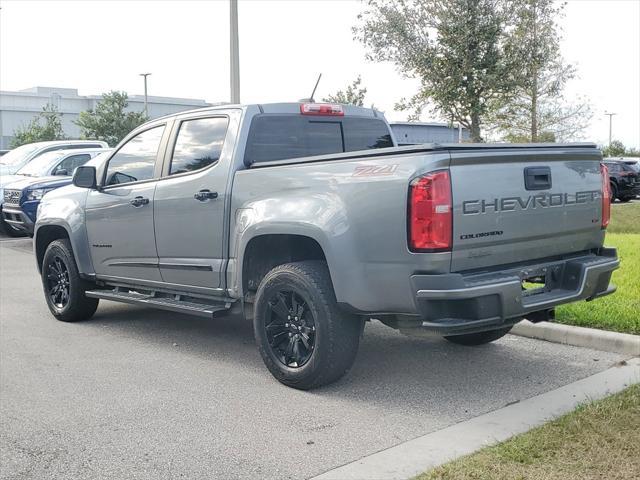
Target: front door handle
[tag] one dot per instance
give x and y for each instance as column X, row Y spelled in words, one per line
column 139, row 201
column 204, row 195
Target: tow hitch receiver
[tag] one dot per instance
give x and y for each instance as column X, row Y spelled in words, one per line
column 541, row 316
column 533, row 285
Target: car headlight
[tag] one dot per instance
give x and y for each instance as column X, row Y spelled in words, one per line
column 38, row 193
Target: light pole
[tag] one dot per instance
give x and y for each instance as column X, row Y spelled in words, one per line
column 145, row 75
column 235, row 54
column 610, row 122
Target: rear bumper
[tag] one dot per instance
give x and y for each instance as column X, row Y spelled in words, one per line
column 465, row 303
column 14, row 216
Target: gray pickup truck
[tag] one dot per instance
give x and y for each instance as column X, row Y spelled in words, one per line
column 309, row 220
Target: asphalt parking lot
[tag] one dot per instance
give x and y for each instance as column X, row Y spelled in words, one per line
column 146, row 394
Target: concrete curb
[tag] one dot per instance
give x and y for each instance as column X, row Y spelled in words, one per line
column 411, row 458
column 622, row 343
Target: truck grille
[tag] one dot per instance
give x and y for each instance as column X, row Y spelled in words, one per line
column 12, row 197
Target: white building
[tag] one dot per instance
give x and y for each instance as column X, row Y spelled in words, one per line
column 412, row 133
column 18, row 108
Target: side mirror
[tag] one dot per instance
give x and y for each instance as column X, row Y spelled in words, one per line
column 85, row 177
column 62, row 172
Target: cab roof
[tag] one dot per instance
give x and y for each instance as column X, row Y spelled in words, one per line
column 279, row 108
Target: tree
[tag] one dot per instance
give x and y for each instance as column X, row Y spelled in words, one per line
column 353, row 95
column 615, row 149
column 538, row 111
column 457, row 48
column 47, row 125
column 109, row 121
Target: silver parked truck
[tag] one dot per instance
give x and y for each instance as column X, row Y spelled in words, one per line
column 309, row 220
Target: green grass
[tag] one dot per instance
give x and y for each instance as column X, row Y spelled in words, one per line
column 619, row 312
column 625, row 218
column 599, row 440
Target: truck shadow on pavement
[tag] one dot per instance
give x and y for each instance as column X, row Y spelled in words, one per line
column 391, row 370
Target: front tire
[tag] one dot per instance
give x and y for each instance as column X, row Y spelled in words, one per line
column 613, row 189
column 479, row 338
column 304, row 339
column 64, row 289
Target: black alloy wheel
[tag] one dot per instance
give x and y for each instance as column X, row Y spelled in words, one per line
column 57, row 282
column 290, row 328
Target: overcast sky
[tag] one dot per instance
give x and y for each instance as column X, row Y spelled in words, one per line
column 96, row 46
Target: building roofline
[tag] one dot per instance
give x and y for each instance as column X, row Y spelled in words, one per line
column 72, row 93
column 426, row 124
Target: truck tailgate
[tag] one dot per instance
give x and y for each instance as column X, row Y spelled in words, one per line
column 512, row 205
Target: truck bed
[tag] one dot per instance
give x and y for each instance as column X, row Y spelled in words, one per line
column 355, row 206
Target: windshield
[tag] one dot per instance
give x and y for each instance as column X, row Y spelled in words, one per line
column 97, row 160
column 40, row 165
column 635, row 166
column 17, row 155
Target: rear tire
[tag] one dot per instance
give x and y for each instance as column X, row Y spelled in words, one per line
column 480, row 338
column 64, row 289
column 304, row 339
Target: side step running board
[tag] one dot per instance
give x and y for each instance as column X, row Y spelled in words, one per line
column 164, row 301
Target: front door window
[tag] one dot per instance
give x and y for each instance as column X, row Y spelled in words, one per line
column 135, row 160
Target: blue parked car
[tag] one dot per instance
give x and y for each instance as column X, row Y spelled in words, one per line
column 24, row 190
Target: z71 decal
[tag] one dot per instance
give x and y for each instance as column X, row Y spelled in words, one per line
column 374, row 170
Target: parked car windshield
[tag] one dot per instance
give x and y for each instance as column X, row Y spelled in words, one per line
column 635, row 166
column 17, row 155
column 41, row 165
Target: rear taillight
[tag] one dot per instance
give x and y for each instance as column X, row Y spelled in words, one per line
column 329, row 109
column 606, row 196
column 430, row 213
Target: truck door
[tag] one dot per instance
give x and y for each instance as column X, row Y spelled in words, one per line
column 119, row 216
column 190, row 202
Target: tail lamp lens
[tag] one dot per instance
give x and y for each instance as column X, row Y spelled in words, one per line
column 606, row 195
column 430, row 213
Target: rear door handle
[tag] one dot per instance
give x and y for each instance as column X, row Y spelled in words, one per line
column 139, row 201
column 205, row 195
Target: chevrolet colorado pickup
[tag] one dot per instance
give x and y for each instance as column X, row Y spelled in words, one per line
column 309, row 220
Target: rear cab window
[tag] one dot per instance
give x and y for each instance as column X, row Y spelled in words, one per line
column 284, row 136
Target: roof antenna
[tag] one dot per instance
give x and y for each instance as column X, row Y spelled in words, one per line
column 310, row 99
column 314, row 88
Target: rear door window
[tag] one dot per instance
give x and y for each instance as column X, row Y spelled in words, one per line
column 199, row 144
